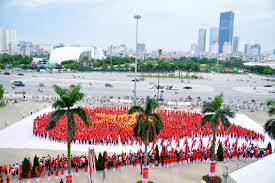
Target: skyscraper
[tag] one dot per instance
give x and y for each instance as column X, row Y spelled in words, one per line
column 227, row 48
column 273, row 52
column 226, row 29
column 214, row 48
column 246, row 47
column 254, row 50
column 201, row 40
column 214, row 35
column 8, row 41
column 140, row 50
column 236, row 41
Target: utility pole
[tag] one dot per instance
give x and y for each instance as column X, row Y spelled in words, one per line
column 137, row 17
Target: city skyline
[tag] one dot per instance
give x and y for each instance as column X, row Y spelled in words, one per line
column 166, row 26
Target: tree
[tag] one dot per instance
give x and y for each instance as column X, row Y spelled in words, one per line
column 269, row 126
column 220, row 152
column 148, row 123
column 64, row 106
column 1, row 92
column 214, row 114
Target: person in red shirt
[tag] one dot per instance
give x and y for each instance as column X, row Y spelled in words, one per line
column 8, row 179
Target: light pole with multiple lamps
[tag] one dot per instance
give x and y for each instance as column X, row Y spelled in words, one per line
column 137, row 17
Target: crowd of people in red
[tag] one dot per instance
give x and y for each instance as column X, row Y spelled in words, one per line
column 114, row 125
column 167, row 157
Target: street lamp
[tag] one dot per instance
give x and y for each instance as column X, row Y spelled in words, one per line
column 137, row 17
column 159, row 55
column 111, row 59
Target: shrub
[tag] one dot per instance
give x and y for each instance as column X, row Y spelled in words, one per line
column 157, row 153
column 25, row 167
column 148, row 181
column 100, row 162
column 220, row 152
column 216, row 180
column 35, row 164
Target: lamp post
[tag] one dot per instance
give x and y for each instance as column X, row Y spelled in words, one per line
column 159, row 55
column 137, row 17
column 111, row 59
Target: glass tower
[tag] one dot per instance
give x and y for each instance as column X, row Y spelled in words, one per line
column 226, row 29
column 201, row 40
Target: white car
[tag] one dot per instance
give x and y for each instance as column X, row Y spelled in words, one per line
column 152, row 87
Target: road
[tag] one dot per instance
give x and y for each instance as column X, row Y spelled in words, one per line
column 234, row 86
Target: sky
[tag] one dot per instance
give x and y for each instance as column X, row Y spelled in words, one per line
column 167, row 24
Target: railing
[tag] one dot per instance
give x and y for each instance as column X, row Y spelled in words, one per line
column 175, row 103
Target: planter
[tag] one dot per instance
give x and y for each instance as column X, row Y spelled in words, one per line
column 207, row 179
column 212, row 172
column 69, row 178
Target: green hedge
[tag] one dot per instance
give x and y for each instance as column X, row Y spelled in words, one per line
column 216, row 180
column 148, row 182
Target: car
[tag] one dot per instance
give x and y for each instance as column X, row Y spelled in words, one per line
column 6, row 73
column 159, row 87
column 41, row 84
column 187, row 87
column 138, row 79
column 170, row 87
column 108, row 85
column 112, row 79
column 152, row 87
column 20, row 74
column 18, row 83
column 268, row 86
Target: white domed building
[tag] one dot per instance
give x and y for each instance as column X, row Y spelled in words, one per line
column 77, row 54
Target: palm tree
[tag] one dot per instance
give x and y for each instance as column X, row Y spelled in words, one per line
column 148, row 123
column 269, row 126
column 214, row 114
column 65, row 105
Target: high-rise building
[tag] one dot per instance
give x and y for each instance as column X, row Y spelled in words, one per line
column 141, row 50
column 193, row 49
column 227, row 48
column 226, row 28
column 254, row 50
column 246, row 47
column 117, row 50
column 273, row 52
column 214, row 36
column 25, row 48
column 236, row 41
column 214, row 48
column 8, row 41
column 201, row 40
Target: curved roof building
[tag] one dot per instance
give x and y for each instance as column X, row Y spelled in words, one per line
column 59, row 55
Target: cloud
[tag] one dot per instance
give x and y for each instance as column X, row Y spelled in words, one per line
column 167, row 24
column 39, row 3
